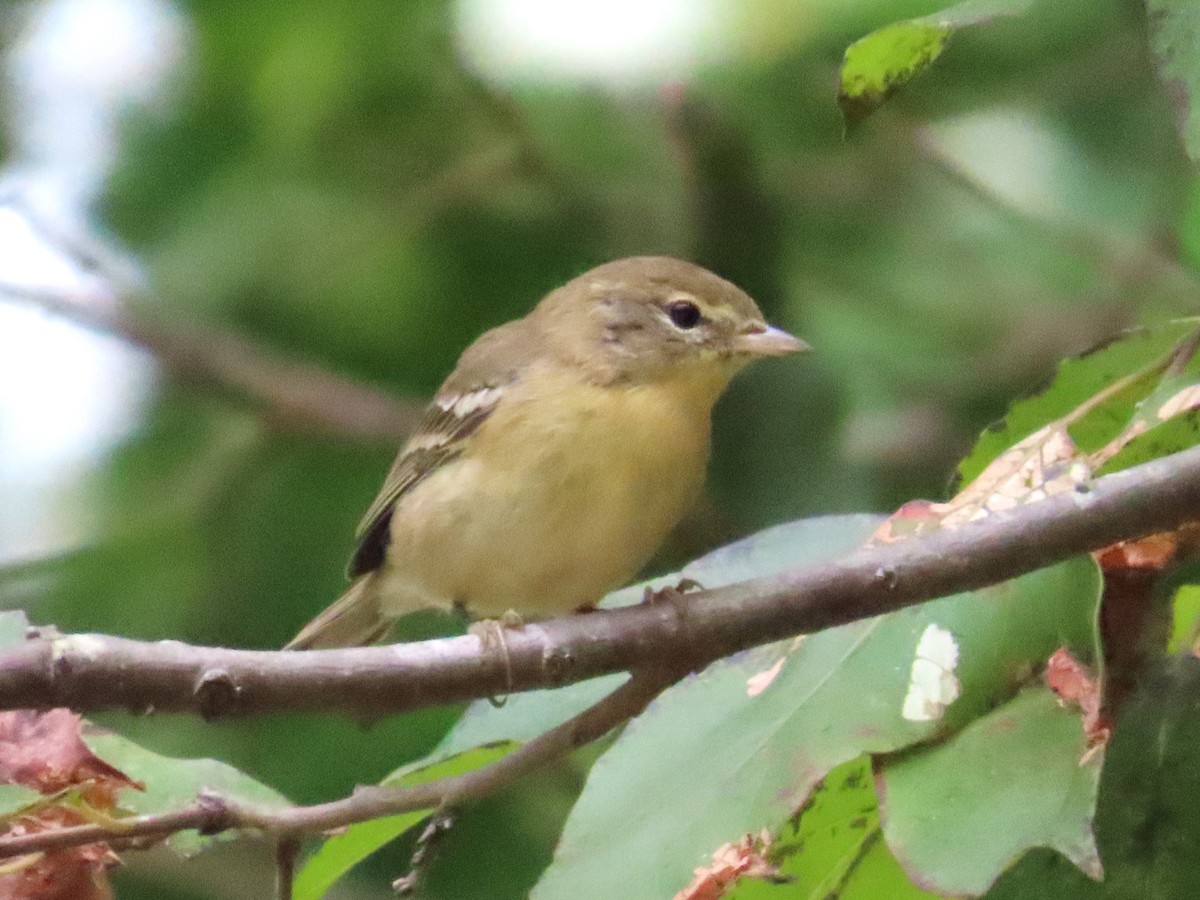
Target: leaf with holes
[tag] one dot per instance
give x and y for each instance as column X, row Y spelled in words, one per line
column 719, row 755
column 1094, row 396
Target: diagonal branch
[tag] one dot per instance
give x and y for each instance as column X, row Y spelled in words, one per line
column 95, row 672
column 293, row 392
column 212, row 814
column 299, row 394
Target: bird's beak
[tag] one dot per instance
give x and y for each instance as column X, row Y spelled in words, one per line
column 764, row 340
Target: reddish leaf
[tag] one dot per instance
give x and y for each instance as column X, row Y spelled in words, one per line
column 80, row 873
column 730, row 862
column 914, row 517
column 1155, row 553
column 1135, row 614
column 1068, row 678
column 44, row 751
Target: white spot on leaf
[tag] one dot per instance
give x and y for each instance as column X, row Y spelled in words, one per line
column 932, row 684
column 756, row 684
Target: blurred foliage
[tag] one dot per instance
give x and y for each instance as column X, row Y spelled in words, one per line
column 1174, row 25
column 333, row 179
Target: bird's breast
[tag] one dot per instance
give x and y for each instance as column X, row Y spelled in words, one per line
column 558, row 500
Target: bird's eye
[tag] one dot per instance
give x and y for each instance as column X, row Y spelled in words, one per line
column 684, row 314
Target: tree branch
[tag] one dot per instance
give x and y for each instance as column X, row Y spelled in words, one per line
column 299, row 394
column 212, row 814
column 95, row 672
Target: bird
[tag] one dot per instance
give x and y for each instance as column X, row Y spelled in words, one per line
column 558, row 455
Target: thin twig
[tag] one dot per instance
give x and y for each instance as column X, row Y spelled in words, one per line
column 286, row 851
column 1184, row 351
column 439, row 825
column 212, row 814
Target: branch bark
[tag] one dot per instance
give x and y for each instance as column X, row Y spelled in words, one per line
column 93, row 672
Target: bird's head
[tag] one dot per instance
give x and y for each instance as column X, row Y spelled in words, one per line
column 650, row 318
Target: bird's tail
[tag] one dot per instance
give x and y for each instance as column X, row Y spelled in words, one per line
column 354, row 619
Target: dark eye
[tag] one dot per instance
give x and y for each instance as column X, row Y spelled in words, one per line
column 684, row 314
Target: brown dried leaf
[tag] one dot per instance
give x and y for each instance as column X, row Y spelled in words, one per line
column 1042, row 465
column 760, row 681
column 731, row 862
column 44, row 751
column 51, row 879
column 1068, row 678
column 914, row 517
column 79, row 873
column 1135, row 615
column 1153, row 553
column 1184, row 400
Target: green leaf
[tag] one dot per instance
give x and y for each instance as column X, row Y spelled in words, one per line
column 1138, row 355
column 1148, row 821
column 1175, row 39
column 173, row 783
column 521, row 718
column 876, row 65
column 1165, row 422
column 16, row 797
column 835, row 847
column 343, row 851
column 1045, row 875
column 708, row 762
column 877, row 874
column 1185, row 618
column 958, row 813
column 820, row 848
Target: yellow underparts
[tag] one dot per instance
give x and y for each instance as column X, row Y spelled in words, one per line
column 563, row 494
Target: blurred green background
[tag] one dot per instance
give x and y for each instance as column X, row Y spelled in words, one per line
column 369, row 185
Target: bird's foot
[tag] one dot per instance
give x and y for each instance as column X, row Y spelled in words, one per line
column 670, row 593
column 491, row 637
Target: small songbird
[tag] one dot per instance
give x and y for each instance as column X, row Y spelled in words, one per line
column 558, row 455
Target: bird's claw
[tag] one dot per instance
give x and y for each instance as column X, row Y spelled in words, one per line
column 491, row 637
column 671, row 592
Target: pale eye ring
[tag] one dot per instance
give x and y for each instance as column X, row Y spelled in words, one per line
column 684, row 314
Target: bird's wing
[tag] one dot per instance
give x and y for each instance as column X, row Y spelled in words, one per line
column 353, row 620
column 485, row 371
